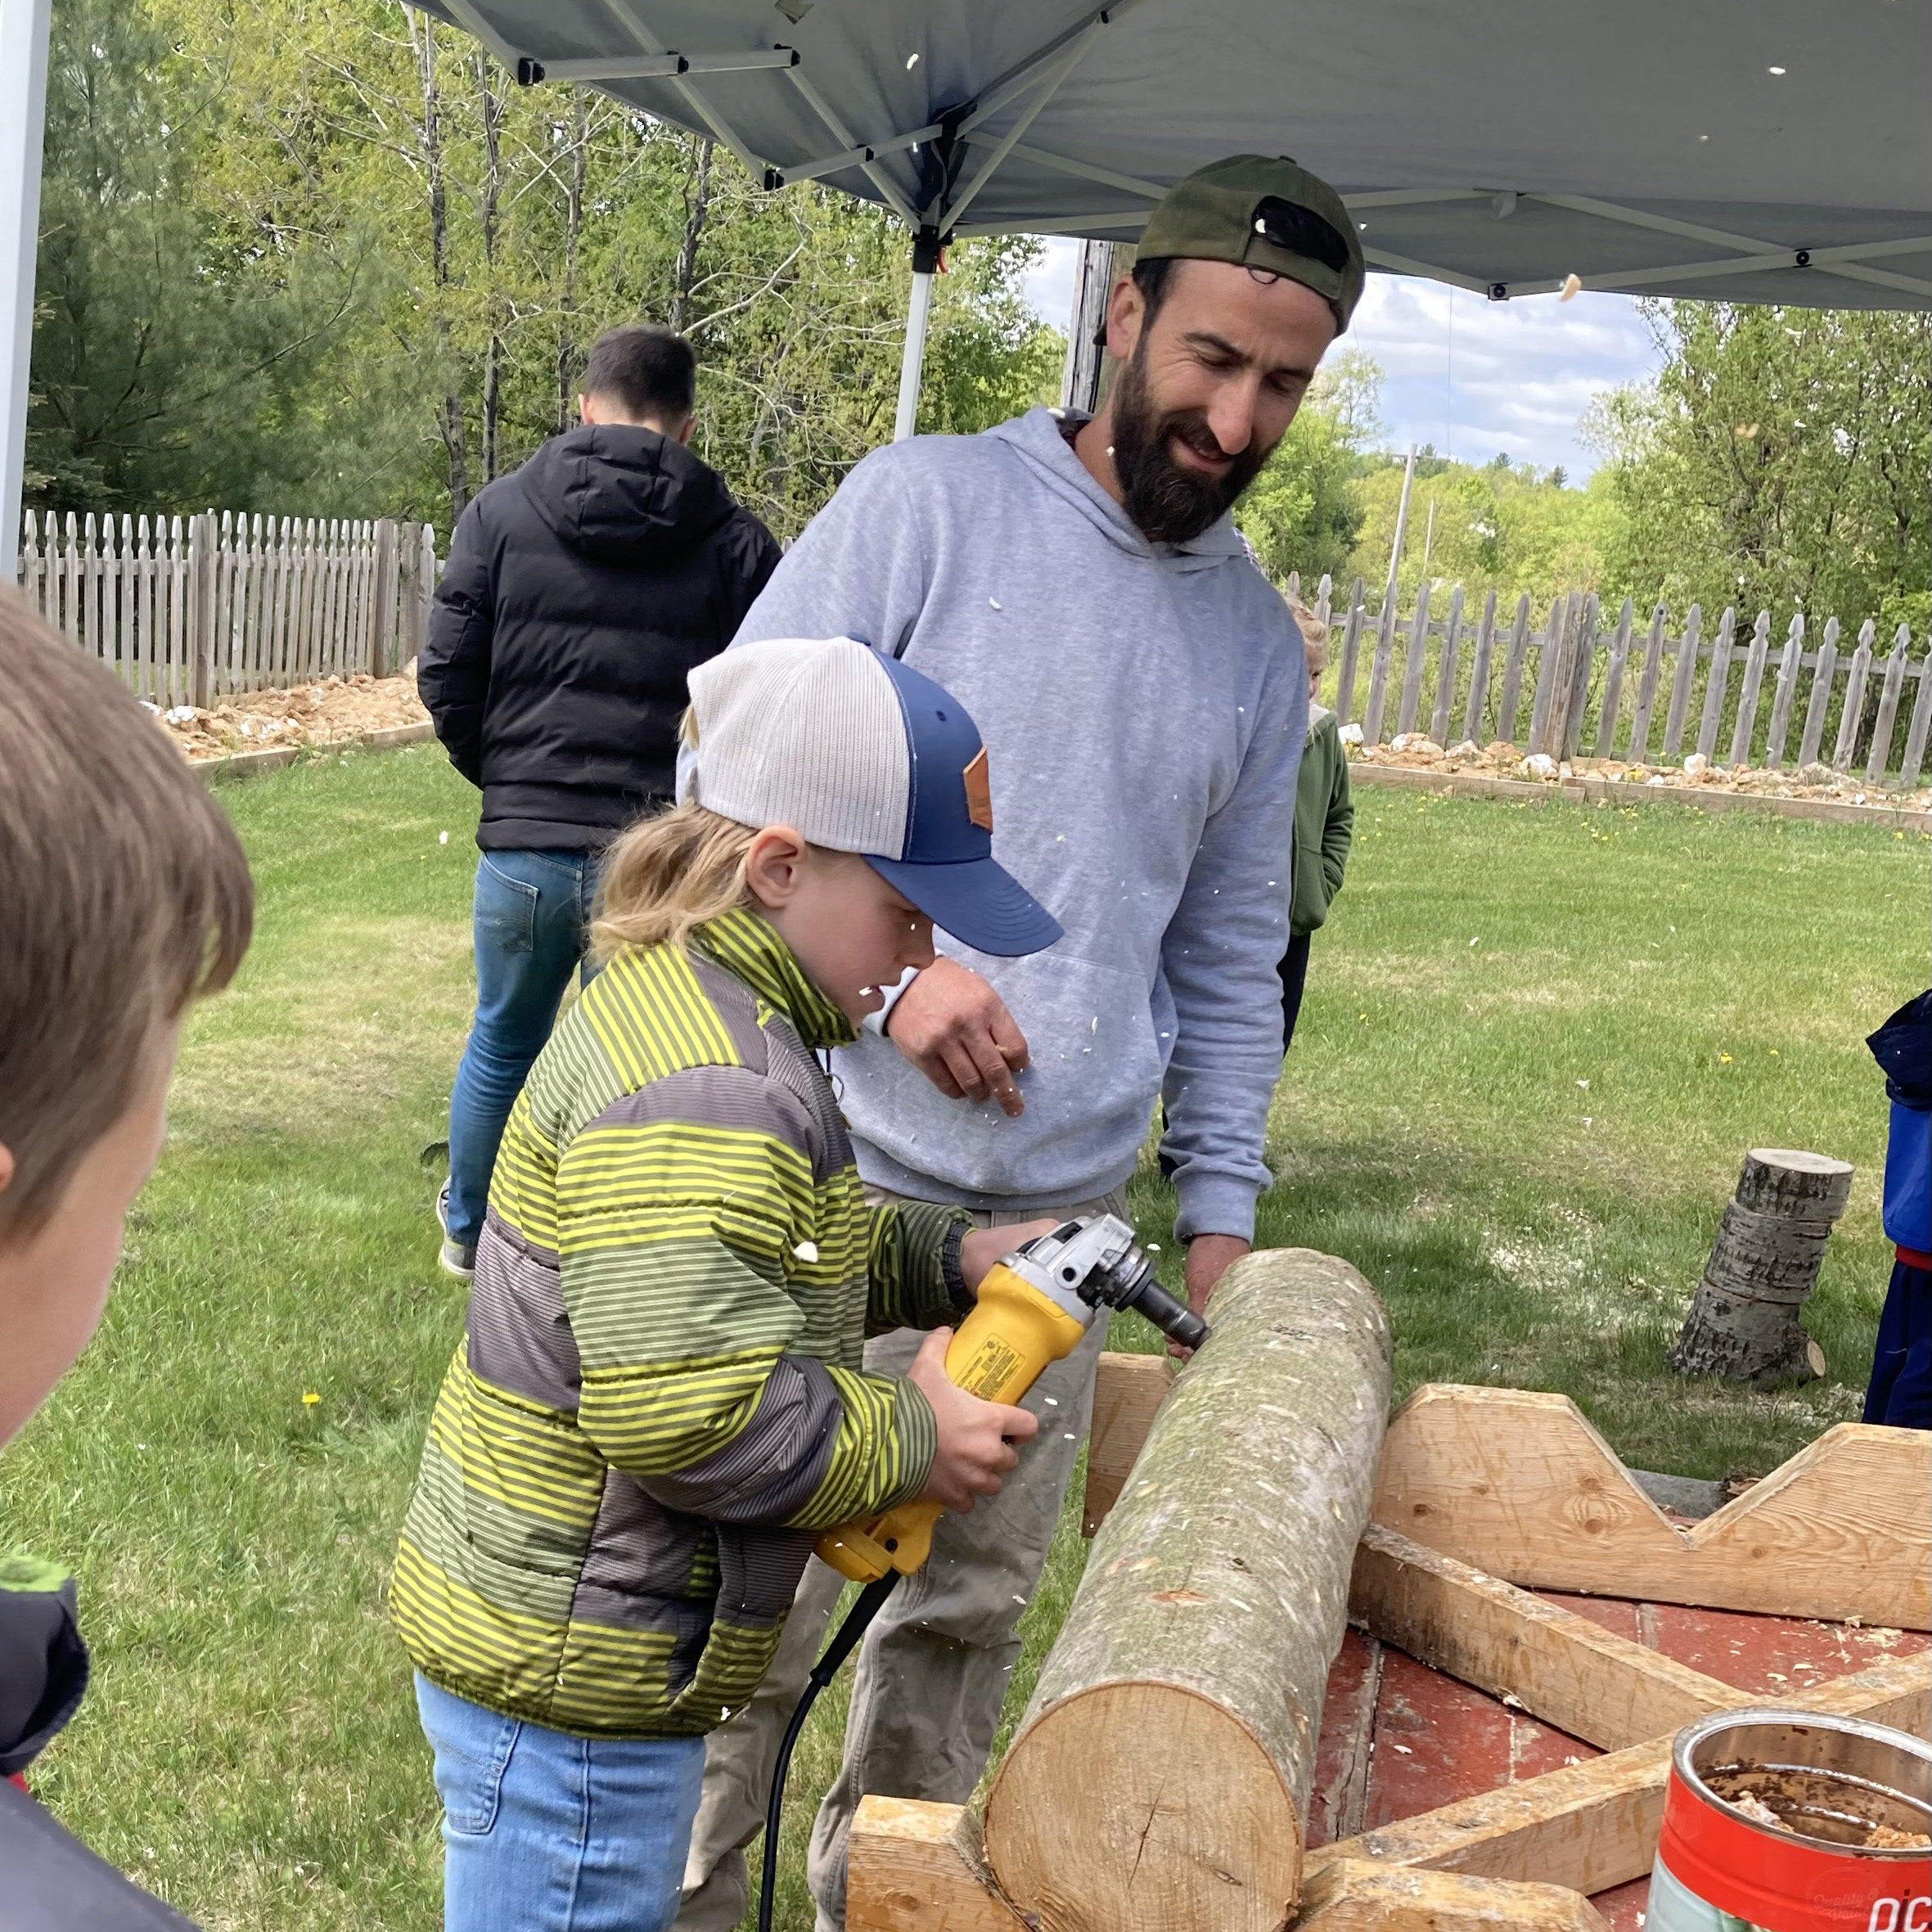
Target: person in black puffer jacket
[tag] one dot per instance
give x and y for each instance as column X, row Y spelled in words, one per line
column 579, row 592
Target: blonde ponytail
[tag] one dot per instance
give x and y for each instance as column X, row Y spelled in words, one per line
column 668, row 874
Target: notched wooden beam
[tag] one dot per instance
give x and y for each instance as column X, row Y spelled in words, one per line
column 1593, row 1825
column 1354, row 1895
column 1128, row 1391
column 1518, row 1483
column 916, row 1867
column 1557, row 1666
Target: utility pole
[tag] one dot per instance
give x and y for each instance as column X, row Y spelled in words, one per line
column 1101, row 265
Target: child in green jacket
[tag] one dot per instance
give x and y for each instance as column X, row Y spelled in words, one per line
column 659, row 1404
column 1324, row 823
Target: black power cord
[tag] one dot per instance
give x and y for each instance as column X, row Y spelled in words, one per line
column 871, row 1600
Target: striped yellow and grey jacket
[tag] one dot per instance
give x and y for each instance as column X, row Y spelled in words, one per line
column 658, row 1401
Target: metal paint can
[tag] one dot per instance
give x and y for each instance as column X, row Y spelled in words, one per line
column 1724, row 1866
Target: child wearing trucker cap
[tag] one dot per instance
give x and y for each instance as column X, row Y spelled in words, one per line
column 659, row 1401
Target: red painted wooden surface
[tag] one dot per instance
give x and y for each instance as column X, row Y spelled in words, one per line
column 1398, row 1738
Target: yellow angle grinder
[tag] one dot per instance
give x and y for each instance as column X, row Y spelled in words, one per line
column 1033, row 1308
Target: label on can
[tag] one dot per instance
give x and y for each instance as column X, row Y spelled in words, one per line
column 1674, row 1908
column 1716, row 1873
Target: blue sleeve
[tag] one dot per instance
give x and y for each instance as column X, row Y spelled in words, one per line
column 859, row 570
column 1221, row 956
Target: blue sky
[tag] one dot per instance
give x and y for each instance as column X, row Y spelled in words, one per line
column 1471, row 377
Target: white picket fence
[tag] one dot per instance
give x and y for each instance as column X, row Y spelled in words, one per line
column 188, row 610
column 1590, row 685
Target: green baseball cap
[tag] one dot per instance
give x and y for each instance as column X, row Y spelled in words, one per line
column 1262, row 211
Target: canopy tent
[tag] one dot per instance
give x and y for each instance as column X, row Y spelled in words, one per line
column 1763, row 151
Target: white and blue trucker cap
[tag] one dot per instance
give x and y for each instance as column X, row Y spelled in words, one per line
column 859, row 753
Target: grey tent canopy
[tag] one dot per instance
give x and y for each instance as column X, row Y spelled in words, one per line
column 1764, row 151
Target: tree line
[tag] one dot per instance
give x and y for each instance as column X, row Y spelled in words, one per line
column 326, row 257
column 1779, row 459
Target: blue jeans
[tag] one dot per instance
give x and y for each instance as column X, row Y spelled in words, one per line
column 532, row 915
column 546, row 1832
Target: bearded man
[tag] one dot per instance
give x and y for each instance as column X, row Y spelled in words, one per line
column 1141, row 689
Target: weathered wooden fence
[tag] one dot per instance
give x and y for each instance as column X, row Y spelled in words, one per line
column 190, row 608
column 1593, row 683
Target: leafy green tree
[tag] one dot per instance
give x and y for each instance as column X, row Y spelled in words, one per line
column 1304, row 510
column 324, row 257
column 1779, row 460
column 159, row 352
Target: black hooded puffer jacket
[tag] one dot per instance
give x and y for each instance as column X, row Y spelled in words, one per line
column 579, row 592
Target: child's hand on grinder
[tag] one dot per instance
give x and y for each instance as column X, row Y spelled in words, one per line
column 976, row 1438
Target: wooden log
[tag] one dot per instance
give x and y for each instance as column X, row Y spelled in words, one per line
column 1519, row 1484
column 1744, row 1320
column 1127, row 1393
column 1592, row 1826
column 917, row 1867
column 1161, row 1775
column 1790, row 1181
column 1557, row 1666
column 1357, row 1895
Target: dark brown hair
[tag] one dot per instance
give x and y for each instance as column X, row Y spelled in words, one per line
column 124, row 895
column 645, row 368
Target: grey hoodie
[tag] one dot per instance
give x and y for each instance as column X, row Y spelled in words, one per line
column 1144, row 709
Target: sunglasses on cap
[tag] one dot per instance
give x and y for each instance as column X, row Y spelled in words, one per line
column 1299, row 231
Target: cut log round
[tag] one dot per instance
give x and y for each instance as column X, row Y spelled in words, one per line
column 1744, row 1321
column 1788, row 1181
column 1161, row 1775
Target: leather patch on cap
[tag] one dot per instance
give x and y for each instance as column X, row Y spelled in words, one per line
column 978, row 789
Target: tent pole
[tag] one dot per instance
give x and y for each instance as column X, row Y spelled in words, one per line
column 23, row 119
column 926, row 247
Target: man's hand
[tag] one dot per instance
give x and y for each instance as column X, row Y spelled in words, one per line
column 1209, row 1257
column 976, row 1438
column 956, row 1029
column 983, row 1246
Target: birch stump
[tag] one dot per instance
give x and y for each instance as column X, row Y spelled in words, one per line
column 1160, row 1778
column 1744, row 1320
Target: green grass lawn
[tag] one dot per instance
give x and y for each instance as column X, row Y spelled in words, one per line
column 1537, row 1042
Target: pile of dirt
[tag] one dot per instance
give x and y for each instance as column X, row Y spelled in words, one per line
column 1413, row 751
column 330, row 711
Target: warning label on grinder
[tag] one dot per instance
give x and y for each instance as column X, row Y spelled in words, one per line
column 990, row 1369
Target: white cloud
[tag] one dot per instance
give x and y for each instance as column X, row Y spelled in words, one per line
column 1470, row 375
